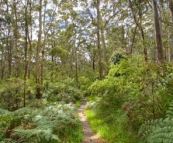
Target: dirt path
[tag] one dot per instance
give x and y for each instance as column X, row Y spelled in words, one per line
column 88, row 135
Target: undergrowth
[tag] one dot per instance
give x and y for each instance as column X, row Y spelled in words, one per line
column 158, row 130
column 112, row 132
column 54, row 123
column 131, row 94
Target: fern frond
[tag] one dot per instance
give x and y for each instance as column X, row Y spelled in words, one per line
column 169, row 113
column 36, row 133
column 159, row 130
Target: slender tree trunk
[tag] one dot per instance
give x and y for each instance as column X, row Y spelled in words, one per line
column 26, row 50
column 2, row 64
column 169, row 33
column 171, row 8
column 139, row 25
column 168, row 50
column 93, row 60
column 9, row 43
column 104, row 47
column 143, row 42
column 76, row 64
column 158, row 37
column 16, row 39
column 52, row 71
column 38, row 88
column 98, row 41
column 42, row 72
column 30, row 42
column 44, row 42
column 133, row 40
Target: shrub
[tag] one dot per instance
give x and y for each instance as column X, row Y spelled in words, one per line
column 63, row 91
column 11, row 94
column 158, row 130
column 49, row 124
column 142, row 91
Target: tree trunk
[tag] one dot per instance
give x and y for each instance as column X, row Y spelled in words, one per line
column 171, row 8
column 104, row 48
column 38, row 88
column 26, row 50
column 133, row 40
column 2, row 64
column 93, row 59
column 139, row 25
column 44, row 42
column 169, row 33
column 9, row 43
column 158, row 37
column 30, row 43
column 16, row 39
column 98, row 41
column 76, row 65
column 168, row 50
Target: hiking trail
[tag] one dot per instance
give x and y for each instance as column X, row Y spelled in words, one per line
column 88, row 135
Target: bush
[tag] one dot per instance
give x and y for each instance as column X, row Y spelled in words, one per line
column 11, row 93
column 158, row 130
column 49, row 124
column 63, row 91
column 142, row 91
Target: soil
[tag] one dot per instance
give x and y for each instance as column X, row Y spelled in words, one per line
column 88, row 135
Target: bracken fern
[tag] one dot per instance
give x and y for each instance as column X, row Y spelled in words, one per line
column 159, row 130
column 54, row 123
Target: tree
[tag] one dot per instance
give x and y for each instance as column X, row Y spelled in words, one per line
column 138, row 22
column 37, row 66
column 170, row 3
column 98, row 40
column 158, row 36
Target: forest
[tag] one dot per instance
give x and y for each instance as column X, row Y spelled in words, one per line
column 117, row 54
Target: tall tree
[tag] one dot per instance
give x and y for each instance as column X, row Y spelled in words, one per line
column 171, row 9
column 170, row 37
column 157, row 29
column 138, row 21
column 37, row 66
column 98, row 40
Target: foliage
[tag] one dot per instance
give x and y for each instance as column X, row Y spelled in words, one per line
column 11, row 93
column 52, row 123
column 58, row 51
column 64, row 91
column 141, row 91
column 117, row 58
column 158, row 130
column 84, row 82
column 111, row 132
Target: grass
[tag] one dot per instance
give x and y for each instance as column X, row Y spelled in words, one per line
column 91, row 98
column 113, row 132
column 77, row 103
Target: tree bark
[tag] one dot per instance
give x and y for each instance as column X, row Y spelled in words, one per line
column 2, row 63
column 30, row 42
column 171, row 8
column 16, row 38
column 38, row 88
column 26, row 50
column 158, row 36
column 169, row 54
column 98, row 41
column 9, row 41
